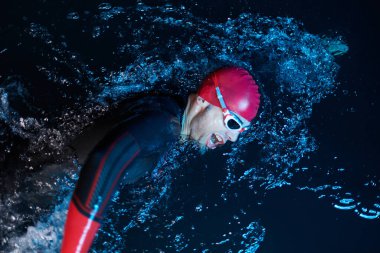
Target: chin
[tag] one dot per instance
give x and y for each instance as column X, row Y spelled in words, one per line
column 203, row 149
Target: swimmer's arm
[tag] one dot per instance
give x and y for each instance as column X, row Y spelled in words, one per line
column 98, row 180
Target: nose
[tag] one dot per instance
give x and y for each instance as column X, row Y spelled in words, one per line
column 232, row 135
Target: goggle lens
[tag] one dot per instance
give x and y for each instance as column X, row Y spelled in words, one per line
column 231, row 121
column 233, row 124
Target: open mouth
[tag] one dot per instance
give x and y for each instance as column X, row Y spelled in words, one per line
column 215, row 140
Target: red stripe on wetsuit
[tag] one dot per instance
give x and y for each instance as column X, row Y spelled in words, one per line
column 98, row 179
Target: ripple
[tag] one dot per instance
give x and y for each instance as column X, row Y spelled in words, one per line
column 346, row 204
column 367, row 213
column 73, row 16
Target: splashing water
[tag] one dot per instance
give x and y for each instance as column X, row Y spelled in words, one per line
column 169, row 50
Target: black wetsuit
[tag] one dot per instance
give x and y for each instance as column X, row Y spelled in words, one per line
column 127, row 152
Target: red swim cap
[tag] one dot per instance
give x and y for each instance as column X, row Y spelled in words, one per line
column 240, row 92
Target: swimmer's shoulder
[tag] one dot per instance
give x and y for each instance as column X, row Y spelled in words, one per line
column 153, row 121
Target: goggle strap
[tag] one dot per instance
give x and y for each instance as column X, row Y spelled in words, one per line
column 222, row 103
column 220, row 97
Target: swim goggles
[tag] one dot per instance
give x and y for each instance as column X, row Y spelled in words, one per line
column 230, row 119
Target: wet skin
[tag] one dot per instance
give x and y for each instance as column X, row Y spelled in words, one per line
column 205, row 124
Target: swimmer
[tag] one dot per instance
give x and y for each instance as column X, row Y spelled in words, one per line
column 223, row 107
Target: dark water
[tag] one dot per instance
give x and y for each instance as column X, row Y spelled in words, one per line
column 304, row 179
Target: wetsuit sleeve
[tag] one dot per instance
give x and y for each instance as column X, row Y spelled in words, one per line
column 102, row 171
column 128, row 152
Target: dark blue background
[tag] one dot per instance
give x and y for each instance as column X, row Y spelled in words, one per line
column 345, row 126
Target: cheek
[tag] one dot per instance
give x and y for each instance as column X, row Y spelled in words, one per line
column 199, row 126
column 208, row 122
column 214, row 118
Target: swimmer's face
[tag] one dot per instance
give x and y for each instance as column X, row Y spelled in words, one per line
column 207, row 126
